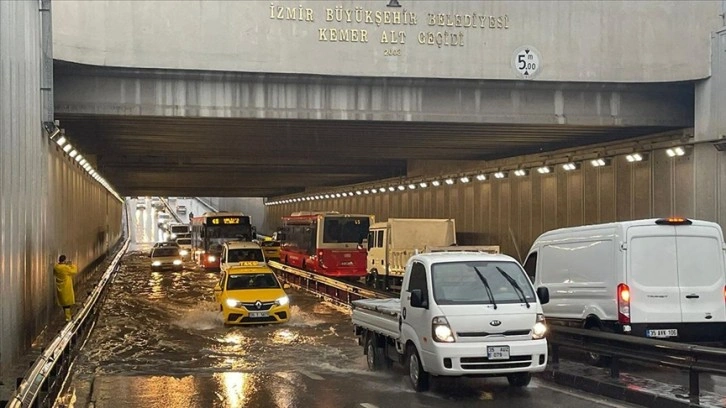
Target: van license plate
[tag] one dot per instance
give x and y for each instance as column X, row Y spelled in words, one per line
column 498, row 352
column 662, row 333
column 258, row 314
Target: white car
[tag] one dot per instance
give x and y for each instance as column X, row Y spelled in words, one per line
column 185, row 247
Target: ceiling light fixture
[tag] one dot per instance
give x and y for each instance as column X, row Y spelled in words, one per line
column 676, row 151
column 635, row 157
column 544, row 170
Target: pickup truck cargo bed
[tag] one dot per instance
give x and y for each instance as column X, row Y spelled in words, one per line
column 379, row 315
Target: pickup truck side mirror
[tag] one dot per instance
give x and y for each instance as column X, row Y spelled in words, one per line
column 543, row 294
column 417, row 299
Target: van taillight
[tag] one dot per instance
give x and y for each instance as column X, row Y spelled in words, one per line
column 724, row 293
column 623, row 304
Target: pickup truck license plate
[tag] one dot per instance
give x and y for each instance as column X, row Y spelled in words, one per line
column 498, row 352
column 258, row 314
column 662, row 333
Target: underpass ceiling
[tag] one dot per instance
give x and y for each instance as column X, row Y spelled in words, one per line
column 271, row 157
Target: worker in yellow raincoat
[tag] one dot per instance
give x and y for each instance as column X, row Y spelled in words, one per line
column 64, row 271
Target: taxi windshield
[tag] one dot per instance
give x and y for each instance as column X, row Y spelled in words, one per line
column 246, row 254
column 252, row 281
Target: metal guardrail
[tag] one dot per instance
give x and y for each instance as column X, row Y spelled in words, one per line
column 694, row 359
column 45, row 378
column 206, row 204
column 330, row 289
column 171, row 211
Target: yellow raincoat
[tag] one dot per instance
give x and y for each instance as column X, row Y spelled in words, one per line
column 64, row 283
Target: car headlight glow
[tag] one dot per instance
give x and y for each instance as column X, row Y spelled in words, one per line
column 441, row 330
column 232, row 302
column 156, row 263
column 282, row 301
column 177, row 262
column 540, row 328
column 211, row 258
column 183, row 252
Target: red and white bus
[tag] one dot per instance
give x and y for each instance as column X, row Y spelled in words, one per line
column 328, row 243
column 212, row 229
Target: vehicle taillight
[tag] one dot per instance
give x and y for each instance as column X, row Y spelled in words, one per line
column 623, row 304
column 724, row 293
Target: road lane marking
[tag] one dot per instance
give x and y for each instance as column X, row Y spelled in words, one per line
column 312, row 376
column 367, row 405
column 585, row 397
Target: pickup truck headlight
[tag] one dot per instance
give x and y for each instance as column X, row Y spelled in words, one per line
column 441, row 330
column 156, row 263
column 282, row 301
column 183, row 252
column 540, row 327
column 232, row 302
column 177, row 262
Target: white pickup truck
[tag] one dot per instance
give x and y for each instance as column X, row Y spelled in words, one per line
column 459, row 314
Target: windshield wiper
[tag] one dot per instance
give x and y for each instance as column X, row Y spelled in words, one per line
column 488, row 288
column 516, row 286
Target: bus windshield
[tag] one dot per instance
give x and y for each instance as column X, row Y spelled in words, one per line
column 225, row 232
column 345, row 229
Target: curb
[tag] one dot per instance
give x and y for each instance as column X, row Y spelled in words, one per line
column 615, row 391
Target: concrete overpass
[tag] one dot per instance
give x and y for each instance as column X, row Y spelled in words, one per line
column 291, row 101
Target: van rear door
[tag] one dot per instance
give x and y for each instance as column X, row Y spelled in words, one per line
column 701, row 273
column 652, row 274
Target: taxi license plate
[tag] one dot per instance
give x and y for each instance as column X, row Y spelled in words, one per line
column 498, row 352
column 258, row 314
column 662, row 333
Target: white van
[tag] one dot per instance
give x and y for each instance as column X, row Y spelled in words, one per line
column 657, row 278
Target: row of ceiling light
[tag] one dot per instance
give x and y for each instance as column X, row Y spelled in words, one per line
column 411, row 185
column 58, row 136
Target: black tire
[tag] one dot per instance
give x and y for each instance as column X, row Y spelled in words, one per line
column 374, row 279
column 519, row 379
column 375, row 356
column 598, row 360
column 420, row 379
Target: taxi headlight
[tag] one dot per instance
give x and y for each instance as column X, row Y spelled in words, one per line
column 282, row 301
column 183, row 252
column 441, row 330
column 232, row 302
column 156, row 263
column 177, row 262
column 540, row 328
column 211, row 258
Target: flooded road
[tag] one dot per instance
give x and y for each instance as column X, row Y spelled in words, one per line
column 159, row 341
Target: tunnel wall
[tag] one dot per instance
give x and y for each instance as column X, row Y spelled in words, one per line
column 512, row 212
column 48, row 205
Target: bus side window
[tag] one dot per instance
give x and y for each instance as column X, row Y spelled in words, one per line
column 530, row 266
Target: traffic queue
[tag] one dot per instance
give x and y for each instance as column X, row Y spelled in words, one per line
column 471, row 311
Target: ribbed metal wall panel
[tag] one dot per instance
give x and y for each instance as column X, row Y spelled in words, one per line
column 48, row 205
column 512, row 212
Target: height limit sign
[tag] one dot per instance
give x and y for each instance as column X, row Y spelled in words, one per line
column 527, row 62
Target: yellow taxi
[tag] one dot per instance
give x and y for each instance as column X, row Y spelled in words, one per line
column 250, row 293
column 271, row 249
